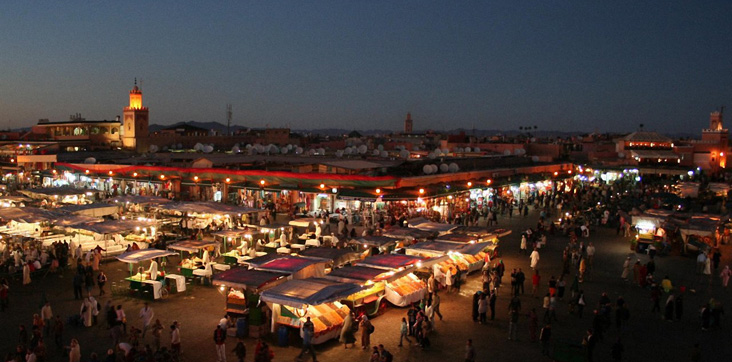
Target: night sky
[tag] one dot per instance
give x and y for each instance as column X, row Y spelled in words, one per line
column 560, row 65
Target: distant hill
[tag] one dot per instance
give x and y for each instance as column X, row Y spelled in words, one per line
column 211, row 126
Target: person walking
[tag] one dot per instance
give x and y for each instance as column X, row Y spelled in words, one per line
column 534, row 257
column 482, row 309
column 219, row 337
column 308, row 330
column 74, row 351
column 157, row 332
column 436, row 304
column 347, row 337
column 627, row 269
column 581, row 303
column 545, row 336
column 520, row 279
column 469, row 351
column 535, row 280
column 175, row 339
column 492, row 303
column 240, row 351
column 589, row 342
column 725, row 275
column 404, row 332
column 77, row 282
column 46, row 315
column 146, row 316
column 366, row 329
column 101, row 280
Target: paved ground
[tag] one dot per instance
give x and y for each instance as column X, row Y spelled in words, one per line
column 647, row 338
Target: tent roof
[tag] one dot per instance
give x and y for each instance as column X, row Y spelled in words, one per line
column 206, row 208
column 312, row 291
column 420, row 224
column 50, row 191
column 134, row 199
column 337, row 256
column 234, row 233
column 288, row 264
column 248, row 278
column 137, row 256
column 28, row 214
column 378, row 241
column 191, row 246
column 358, row 273
column 456, row 238
column 114, row 226
column 390, row 261
column 305, row 222
column 401, row 233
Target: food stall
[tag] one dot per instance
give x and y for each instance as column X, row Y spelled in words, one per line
column 373, row 245
column 426, row 225
column 114, row 235
column 296, row 267
column 318, row 298
column 467, row 257
column 61, row 195
column 199, row 256
column 701, row 232
column 406, row 288
column 148, row 281
column 234, row 243
column 649, row 228
column 412, row 234
column 335, row 258
column 242, row 288
column 93, row 210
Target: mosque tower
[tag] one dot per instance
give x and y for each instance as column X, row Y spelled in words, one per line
column 135, row 126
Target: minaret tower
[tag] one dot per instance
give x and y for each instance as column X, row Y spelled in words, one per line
column 135, row 126
column 408, row 123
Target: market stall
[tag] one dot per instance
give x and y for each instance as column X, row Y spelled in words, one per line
column 296, row 267
column 406, row 288
column 61, row 195
column 295, row 300
column 114, row 235
column 649, row 228
column 334, row 258
column 199, row 252
column 92, row 210
column 373, row 245
column 426, row 225
column 368, row 300
column 234, row 243
column 411, row 234
column 148, row 281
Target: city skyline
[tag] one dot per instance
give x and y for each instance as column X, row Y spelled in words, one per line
column 563, row 67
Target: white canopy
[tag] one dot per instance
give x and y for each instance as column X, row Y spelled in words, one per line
column 137, row 256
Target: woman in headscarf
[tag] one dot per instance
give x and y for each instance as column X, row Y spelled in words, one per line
column 88, row 311
column 74, row 351
column 347, row 336
column 365, row 327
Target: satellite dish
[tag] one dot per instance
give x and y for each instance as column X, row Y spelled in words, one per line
column 198, row 147
column 248, row 146
column 235, row 149
column 434, row 168
column 153, row 148
column 339, row 153
column 404, row 154
column 507, row 153
column 348, row 151
column 284, row 150
column 535, row 158
column 90, row 160
column 380, row 147
column 298, row 151
column 321, row 151
column 445, row 151
column 384, row 154
column 362, row 149
column 453, row 167
column 431, row 156
column 621, row 154
column 427, row 169
column 467, row 149
column 477, row 149
column 444, row 167
column 517, row 151
column 208, row 149
column 375, row 153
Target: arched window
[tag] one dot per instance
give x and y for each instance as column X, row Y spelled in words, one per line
column 94, row 130
column 115, row 130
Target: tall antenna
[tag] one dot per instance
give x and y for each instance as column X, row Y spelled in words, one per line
column 228, row 119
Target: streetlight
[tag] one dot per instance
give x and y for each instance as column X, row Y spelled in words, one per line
column 378, row 191
column 421, row 191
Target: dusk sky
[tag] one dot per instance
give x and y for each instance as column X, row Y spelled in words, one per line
column 560, row 65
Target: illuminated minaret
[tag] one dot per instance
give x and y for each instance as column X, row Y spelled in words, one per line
column 135, row 127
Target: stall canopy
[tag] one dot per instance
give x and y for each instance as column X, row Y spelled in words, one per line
column 43, row 193
column 363, row 274
column 336, row 256
column 409, row 233
column 298, row 267
column 375, row 241
column 390, row 261
column 481, row 232
column 93, row 210
column 206, row 208
column 311, row 291
column 115, row 226
column 28, row 214
column 261, row 260
column 256, row 280
column 137, row 256
column 135, row 199
column 191, row 246
column 305, row 222
column 234, row 233
column 426, row 225
column 456, row 238
column 436, row 247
